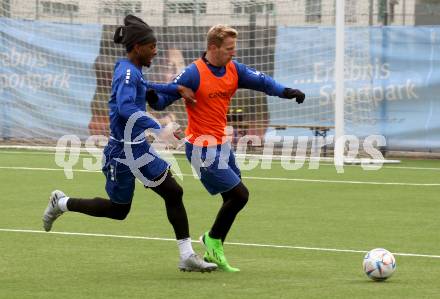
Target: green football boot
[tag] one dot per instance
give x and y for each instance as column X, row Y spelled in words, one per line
column 215, row 254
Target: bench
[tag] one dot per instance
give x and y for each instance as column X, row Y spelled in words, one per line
column 318, row 130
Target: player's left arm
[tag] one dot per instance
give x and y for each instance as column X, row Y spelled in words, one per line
column 250, row 78
column 159, row 96
column 167, row 88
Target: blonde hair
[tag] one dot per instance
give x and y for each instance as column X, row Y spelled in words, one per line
column 218, row 33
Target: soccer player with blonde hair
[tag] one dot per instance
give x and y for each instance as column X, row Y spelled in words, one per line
column 214, row 78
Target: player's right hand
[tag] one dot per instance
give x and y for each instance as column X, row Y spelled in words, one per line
column 187, row 95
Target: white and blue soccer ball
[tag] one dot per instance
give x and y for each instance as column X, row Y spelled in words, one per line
column 379, row 264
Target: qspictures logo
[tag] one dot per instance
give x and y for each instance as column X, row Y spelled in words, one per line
column 293, row 157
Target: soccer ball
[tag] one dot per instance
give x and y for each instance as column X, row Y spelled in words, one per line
column 379, row 264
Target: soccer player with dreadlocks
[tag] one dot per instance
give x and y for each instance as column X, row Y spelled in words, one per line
column 130, row 91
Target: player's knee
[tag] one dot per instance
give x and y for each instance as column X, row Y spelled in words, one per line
column 178, row 192
column 177, row 197
column 120, row 212
column 244, row 195
column 120, row 215
column 174, row 195
column 241, row 196
column 238, row 196
column 171, row 190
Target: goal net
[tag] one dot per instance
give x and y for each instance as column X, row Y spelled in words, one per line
column 57, row 61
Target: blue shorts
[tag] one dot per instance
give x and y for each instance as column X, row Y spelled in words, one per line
column 215, row 166
column 120, row 181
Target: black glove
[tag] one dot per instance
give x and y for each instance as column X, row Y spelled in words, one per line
column 290, row 93
column 152, row 96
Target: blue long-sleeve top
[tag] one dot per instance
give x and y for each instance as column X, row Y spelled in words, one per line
column 128, row 96
column 248, row 78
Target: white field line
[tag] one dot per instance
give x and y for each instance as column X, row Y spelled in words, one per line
column 342, row 182
column 277, row 161
column 255, row 178
column 229, row 243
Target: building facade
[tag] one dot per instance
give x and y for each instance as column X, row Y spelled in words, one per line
column 234, row 12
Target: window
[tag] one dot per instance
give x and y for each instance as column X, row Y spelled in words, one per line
column 386, row 14
column 59, row 8
column 392, row 4
column 186, row 7
column 120, row 8
column 350, row 11
column 313, row 11
column 5, row 8
column 252, row 6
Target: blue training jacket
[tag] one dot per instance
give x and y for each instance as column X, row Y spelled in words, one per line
column 128, row 96
column 248, row 78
